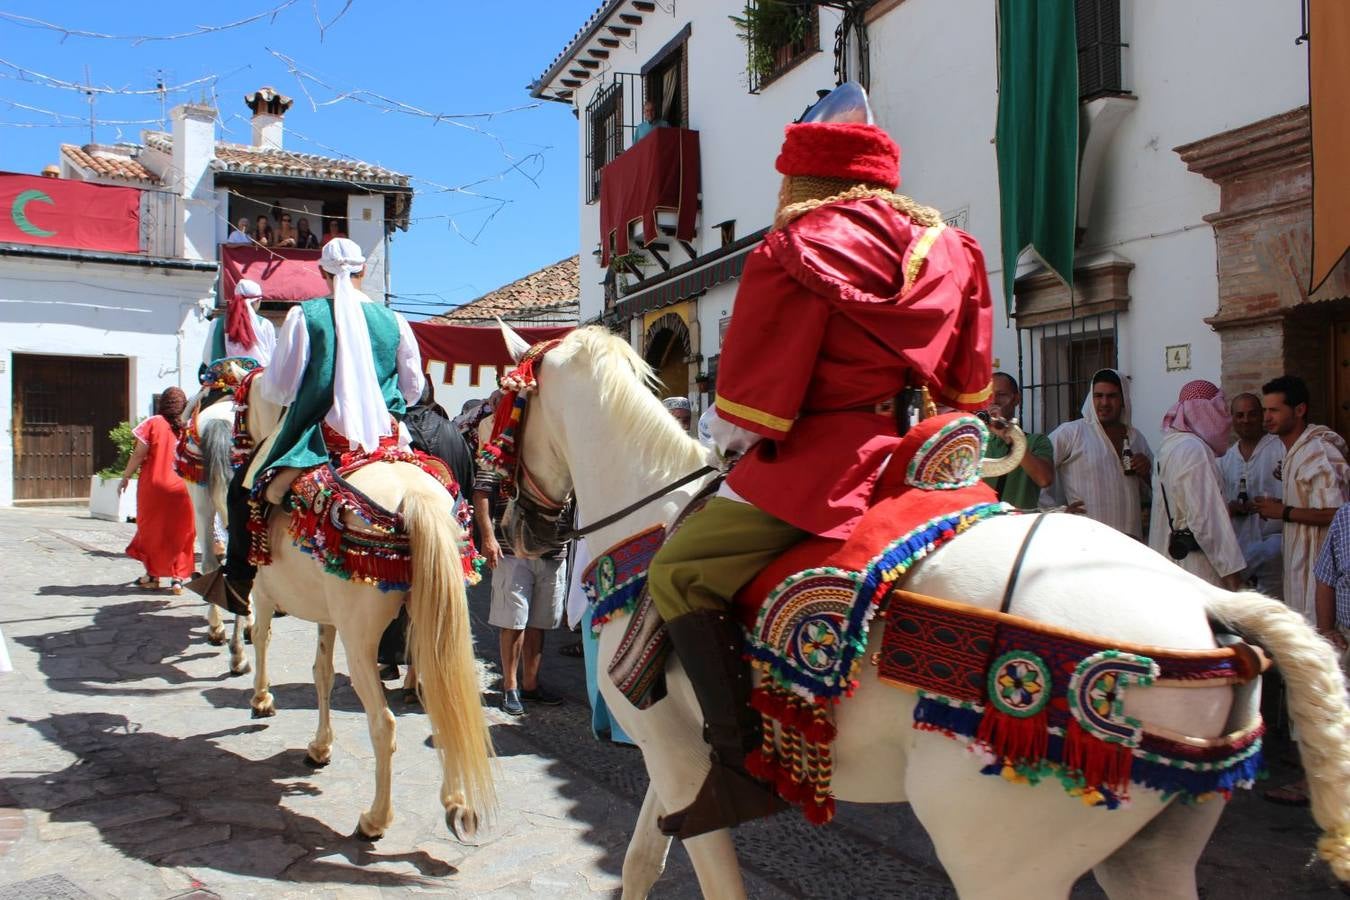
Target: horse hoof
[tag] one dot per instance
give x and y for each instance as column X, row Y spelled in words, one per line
column 363, row 834
column 216, row 639
column 242, row 669
column 462, row 823
column 317, row 764
column 264, row 712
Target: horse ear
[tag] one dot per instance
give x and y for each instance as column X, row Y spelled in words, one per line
column 515, row 344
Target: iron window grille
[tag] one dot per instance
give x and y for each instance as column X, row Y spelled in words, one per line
column 1055, row 365
column 611, row 117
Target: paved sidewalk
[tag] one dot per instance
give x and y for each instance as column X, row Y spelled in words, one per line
column 131, row 769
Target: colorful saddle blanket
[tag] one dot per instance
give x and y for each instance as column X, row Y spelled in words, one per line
column 1042, row 701
column 377, row 552
column 221, row 380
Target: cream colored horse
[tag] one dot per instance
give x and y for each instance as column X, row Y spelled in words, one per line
column 995, row 839
column 440, row 637
column 215, row 424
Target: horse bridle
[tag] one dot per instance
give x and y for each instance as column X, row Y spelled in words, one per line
column 534, row 502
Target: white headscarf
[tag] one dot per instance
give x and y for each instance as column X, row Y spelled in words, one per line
column 357, row 399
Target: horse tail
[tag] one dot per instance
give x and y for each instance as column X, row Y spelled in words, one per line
column 1317, row 706
column 441, row 640
column 215, row 445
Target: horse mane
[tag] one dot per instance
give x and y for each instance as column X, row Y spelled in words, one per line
column 624, row 385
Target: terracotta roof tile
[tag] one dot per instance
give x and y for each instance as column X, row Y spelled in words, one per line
column 553, row 289
column 108, row 163
column 289, row 163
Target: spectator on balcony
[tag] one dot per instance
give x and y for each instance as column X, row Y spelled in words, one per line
column 649, row 121
column 262, row 232
column 304, row 238
column 240, row 233
column 286, row 236
column 334, row 231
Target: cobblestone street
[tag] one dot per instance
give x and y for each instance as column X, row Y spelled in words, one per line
column 131, row 769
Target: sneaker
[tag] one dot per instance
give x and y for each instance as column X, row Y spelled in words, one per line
column 511, row 704
column 542, row 696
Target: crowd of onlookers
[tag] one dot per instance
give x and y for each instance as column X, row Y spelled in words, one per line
column 285, row 234
column 1246, row 494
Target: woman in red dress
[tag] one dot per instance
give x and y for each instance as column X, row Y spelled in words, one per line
column 165, row 528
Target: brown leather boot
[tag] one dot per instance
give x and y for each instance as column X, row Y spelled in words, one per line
column 710, row 646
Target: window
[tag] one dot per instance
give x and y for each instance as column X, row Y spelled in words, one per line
column 1098, row 48
column 778, row 35
column 1056, row 362
column 665, row 81
column 611, row 118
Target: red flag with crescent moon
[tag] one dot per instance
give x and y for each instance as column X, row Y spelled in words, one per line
column 58, row 212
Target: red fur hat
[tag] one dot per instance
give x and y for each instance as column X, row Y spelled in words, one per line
column 849, row 150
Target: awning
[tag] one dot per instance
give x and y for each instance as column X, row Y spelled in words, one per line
column 287, row 275
column 472, row 346
column 691, row 279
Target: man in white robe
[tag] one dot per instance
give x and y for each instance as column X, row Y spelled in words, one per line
column 1249, row 465
column 1195, row 431
column 1089, row 454
column 1316, row 482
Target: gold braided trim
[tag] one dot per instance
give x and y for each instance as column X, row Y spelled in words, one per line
column 800, row 194
column 918, row 254
column 750, row 414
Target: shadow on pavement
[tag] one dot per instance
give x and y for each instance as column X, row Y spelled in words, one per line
column 125, row 642
column 92, row 590
column 187, row 802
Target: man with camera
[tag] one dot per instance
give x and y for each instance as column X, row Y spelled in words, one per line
column 1190, row 517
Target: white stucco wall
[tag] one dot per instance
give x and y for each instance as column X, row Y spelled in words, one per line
column 365, row 225
column 1196, row 69
column 152, row 317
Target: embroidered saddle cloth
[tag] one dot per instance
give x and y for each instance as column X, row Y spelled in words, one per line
column 348, row 533
column 220, row 380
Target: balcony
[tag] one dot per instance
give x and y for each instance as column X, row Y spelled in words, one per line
column 659, row 173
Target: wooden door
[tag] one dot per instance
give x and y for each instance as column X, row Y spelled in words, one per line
column 64, row 407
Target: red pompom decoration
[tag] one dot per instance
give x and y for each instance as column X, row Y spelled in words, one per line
column 848, row 150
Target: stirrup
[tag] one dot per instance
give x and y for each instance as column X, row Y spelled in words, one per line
column 727, row 798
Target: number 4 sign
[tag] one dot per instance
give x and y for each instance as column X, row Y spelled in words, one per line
column 1178, row 357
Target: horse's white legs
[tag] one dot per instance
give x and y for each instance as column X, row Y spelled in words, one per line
column 239, row 664
column 998, row 840
column 321, row 748
column 646, row 857
column 1159, row 862
column 714, row 858
column 362, row 648
column 262, row 703
column 215, row 625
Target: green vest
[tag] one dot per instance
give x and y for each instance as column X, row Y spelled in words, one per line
column 218, row 338
column 299, row 442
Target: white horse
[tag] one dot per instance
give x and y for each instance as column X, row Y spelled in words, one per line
column 995, row 839
column 214, row 428
column 440, row 636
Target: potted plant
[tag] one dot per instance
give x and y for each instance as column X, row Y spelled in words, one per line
column 769, row 29
column 104, row 502
column 634, row 262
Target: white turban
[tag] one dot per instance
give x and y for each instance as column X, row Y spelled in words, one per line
column 357, row 398
column 246, row 288
column 674, row 403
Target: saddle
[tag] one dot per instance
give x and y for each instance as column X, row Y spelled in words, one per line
column 1007, row 684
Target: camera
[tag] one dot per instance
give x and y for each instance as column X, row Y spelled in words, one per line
column 1181, row 542
column 983, row 416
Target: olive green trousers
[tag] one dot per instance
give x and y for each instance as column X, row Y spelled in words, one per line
column 715, row 553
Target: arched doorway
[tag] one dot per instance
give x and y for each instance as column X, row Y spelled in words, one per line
column 668, row 351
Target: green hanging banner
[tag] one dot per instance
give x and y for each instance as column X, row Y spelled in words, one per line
column 1037, row 135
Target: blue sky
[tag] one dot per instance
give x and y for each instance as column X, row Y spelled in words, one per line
column 442, row 57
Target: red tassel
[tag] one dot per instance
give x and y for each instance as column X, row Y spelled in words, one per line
column 762, row 766
column 789, row 788
column 819, row 730
column 818, row 811
column 1009, row 737
column 763, row 700
column 1102, row 764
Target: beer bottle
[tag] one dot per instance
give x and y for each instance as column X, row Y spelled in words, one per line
column 1242, row 491
column 1126, row 455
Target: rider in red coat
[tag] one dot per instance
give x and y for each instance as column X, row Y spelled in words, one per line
column 857, row 300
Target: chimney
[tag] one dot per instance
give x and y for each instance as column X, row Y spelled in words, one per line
column 194, row 147
column 269, row 108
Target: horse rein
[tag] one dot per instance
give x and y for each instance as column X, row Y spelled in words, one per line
column 535, row 502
